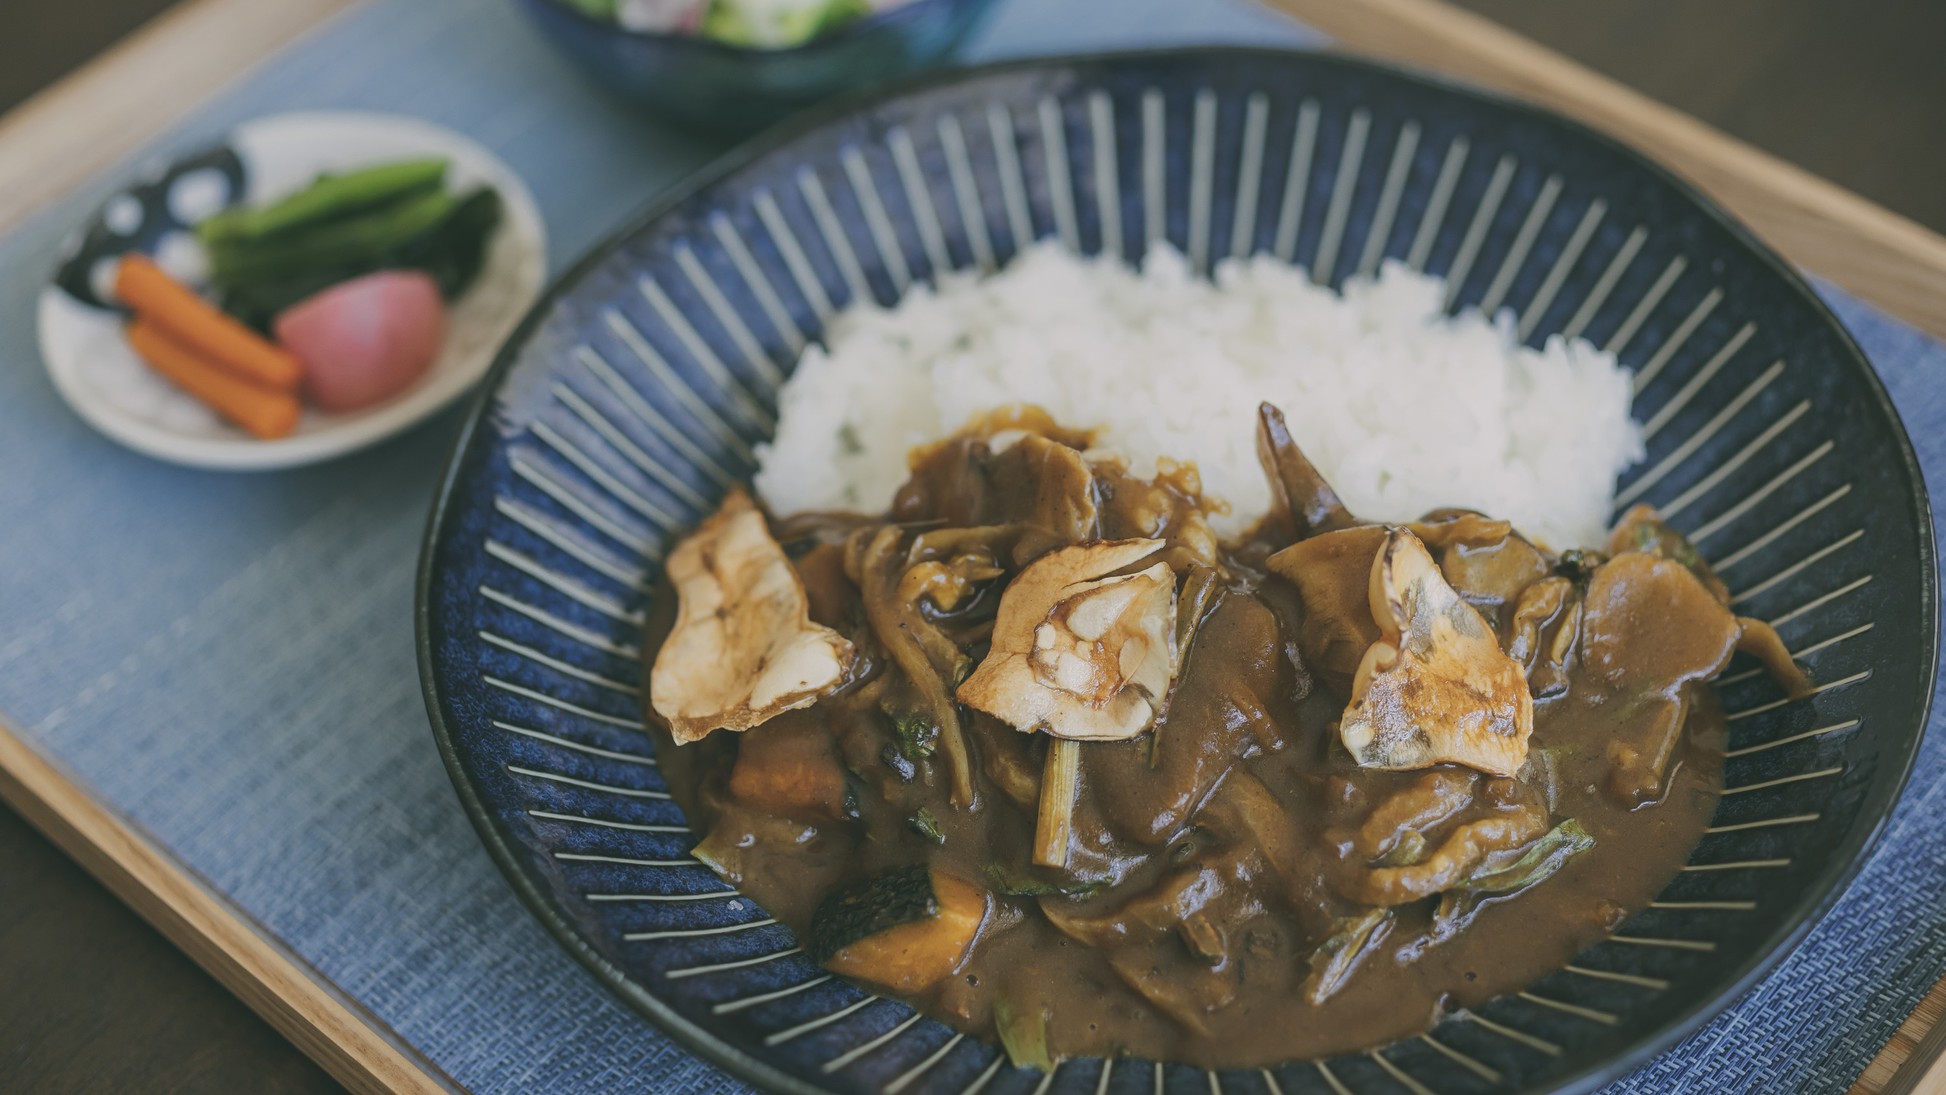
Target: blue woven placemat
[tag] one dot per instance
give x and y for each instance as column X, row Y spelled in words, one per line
column 227, row 659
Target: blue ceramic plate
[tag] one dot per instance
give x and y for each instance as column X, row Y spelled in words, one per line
column 629, row 401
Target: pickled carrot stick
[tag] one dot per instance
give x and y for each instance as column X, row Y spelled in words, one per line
column 216, row 338
column 267, row 413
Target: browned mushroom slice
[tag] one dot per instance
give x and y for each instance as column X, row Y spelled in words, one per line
column 1040, row 487
column 1642, row 529
column 1444, row 528
column 1299, row 495
column 946, row 583
column 1333, row 575
column 1651, row 631
column 1078, row 653
column 1430, row 800
column 1761, row 641
column 1651, row 622
column 743, row 648
column 1436, row 687
column 1485, row 559
column 1540, row 636
column 1061, row 510
column 1471, row 844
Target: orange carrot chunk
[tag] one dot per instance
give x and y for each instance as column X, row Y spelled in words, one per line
column 217, row 338
column 266, row 413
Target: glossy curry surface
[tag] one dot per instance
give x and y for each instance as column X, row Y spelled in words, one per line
column 1245, row 880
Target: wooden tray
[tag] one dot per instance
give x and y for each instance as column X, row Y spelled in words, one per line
column 103, row 112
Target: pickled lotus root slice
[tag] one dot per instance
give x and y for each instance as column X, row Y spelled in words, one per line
column 743, row 648
column 1436, row 687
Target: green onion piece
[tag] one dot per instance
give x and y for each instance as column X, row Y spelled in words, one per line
column 916, row 736
column 1336, row 958
column 1015, row 883
column 1060, row 784
column 927, row 826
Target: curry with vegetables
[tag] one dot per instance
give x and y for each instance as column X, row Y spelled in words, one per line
column 1039, row 753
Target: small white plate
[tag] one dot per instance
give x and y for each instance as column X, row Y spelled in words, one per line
column 101, row 378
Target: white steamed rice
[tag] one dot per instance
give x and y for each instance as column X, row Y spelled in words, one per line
column 1401, row 408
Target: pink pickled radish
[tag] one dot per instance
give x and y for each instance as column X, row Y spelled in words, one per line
column 365, row 340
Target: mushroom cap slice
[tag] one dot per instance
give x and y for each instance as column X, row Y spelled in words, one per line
column 1078, row 654
column 743, row 648
column 1332, row 573
column 1436, row 687
column 1653, row 625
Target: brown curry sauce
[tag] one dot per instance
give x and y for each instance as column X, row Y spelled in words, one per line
column 1215, row 858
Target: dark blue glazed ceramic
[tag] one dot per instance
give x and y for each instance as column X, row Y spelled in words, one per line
column 726, row 91
column 630, row 400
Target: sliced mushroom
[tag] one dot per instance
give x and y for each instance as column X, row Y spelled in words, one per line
column 1429, row 801
column 1436, row 687
column 945, row 584
column 1548, row 603
column 743, row 648
column 1444, row 528
column 1651, row 631
column 1761, row 641
column 1471, row 844
column 1485, row 560
column 1061, row 509
column 1651, row 625
column 1643, row 529
column 1040, row 487
column 1333, row 575
column 1078, row 654
column 1299, row 495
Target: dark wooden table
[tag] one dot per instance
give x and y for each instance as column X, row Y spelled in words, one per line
column 92, row 999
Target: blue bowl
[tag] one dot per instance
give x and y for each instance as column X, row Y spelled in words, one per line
column 630, row 399
column 727, row 91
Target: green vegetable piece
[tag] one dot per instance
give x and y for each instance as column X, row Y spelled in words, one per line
column 771, row 24
column 1024, row 1035
column 1020, row 883
column 914, row 733
column 452, row 251
column 868, row 908
column 360, row 242
column 1333, row 963
column 927, row 826
column 1547, row 855
column 1544, row 857
column 327, row 198
column 455, row 252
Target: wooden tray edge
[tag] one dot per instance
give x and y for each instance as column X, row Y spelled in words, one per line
column 1896, row 263
column 87, row 121
column 344, row 1039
